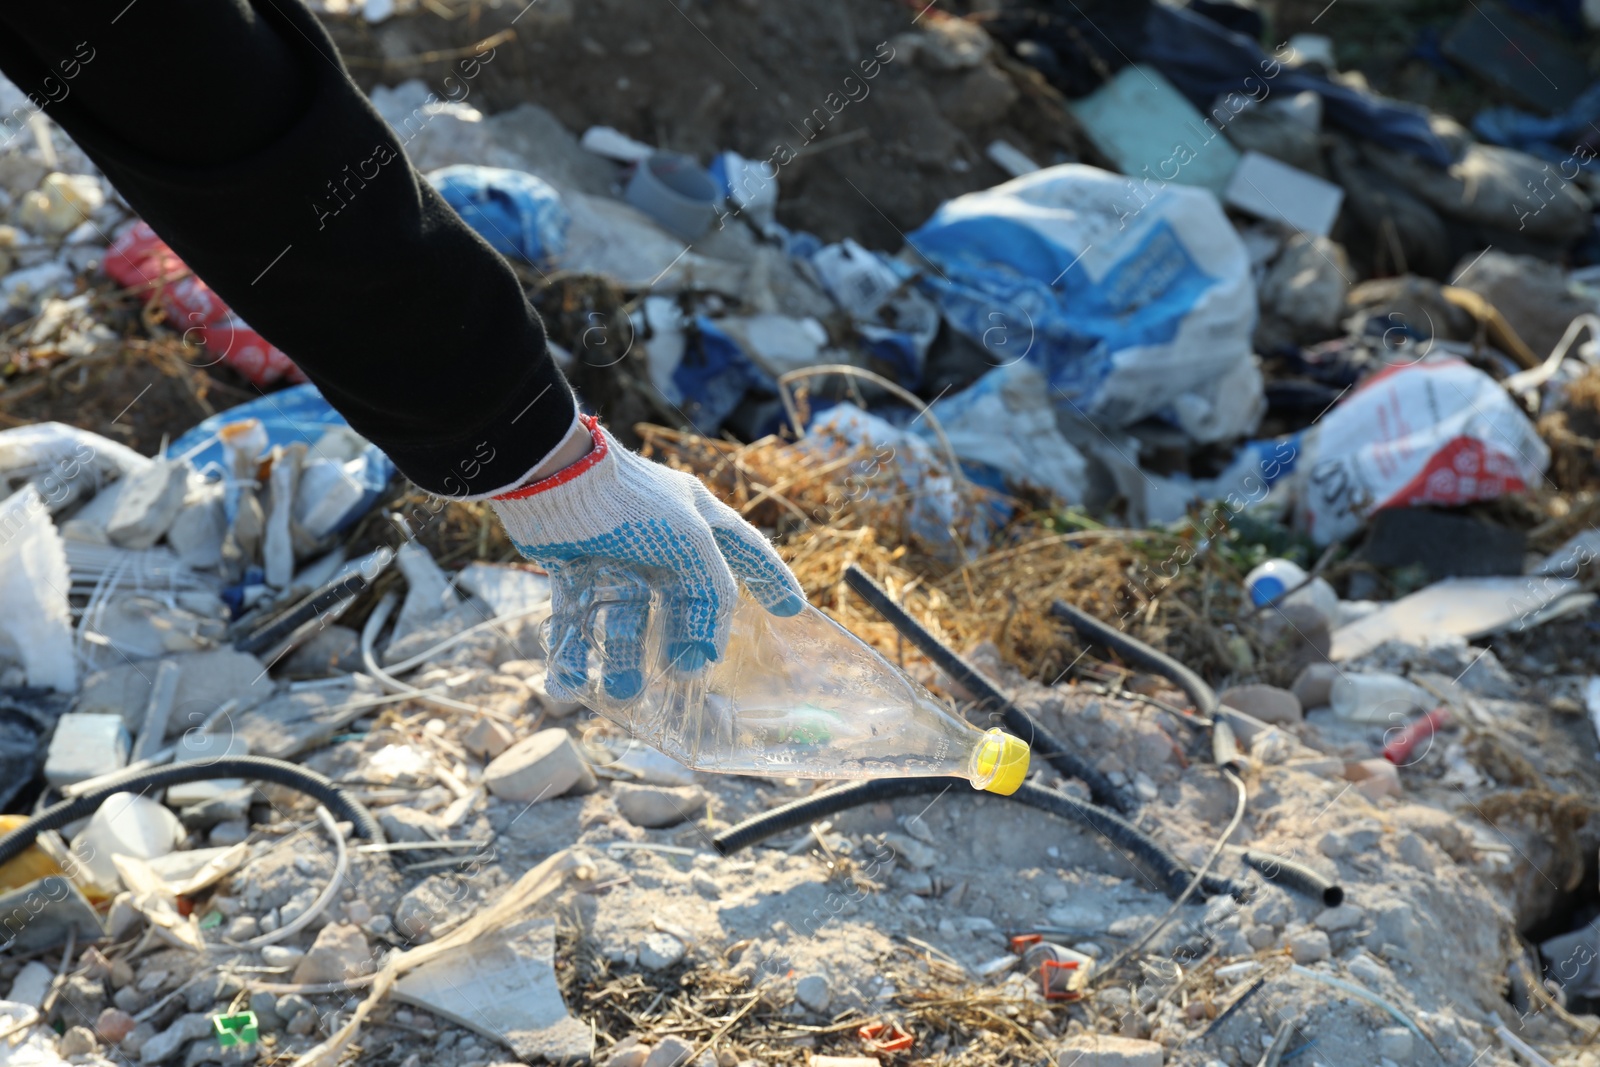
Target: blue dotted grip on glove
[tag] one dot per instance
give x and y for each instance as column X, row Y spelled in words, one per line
column 629, row 563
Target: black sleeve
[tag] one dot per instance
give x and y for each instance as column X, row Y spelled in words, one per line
column 237, row 134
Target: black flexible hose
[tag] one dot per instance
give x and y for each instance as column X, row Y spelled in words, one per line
column 984, row 692
column 1296, row 876
column 259, row 768
column 1140, row 654
column 1169, row 871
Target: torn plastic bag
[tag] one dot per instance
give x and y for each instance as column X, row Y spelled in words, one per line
column 695, row 364
column 1005, row 421
column 1435, row 433
column 341, row 466
column 896, row 322
column 948, row 515
column 36, row 626
column 1562, row 138
column 1130, row 307
column 64, row 463
column 141, row 261
column 518, row 214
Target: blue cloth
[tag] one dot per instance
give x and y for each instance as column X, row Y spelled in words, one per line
column 1555, row 139
column 1205, row 60
column 714, row 376
column 518, row 214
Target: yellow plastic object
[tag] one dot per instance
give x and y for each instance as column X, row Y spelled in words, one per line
column 31, row 866
column 1001, row 763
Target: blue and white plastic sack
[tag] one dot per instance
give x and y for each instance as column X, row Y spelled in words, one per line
column 518, row 214
column 1134, row 300
column 1004, row 421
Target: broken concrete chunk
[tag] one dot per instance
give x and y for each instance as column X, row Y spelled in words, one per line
column 1107, row 1050
column 401, row 823
column 658, row 951
column 1344, row 917
column 503, row 987
column 86, row 746
column 540, row 767
column 670, row 1052
column 1308, row 946
column 206, row 680
column 488, row 738
column 340, row 952
column 142, row 627
column 168, row 1043
column 197, row 533
column 149, row 501
column 654, row 806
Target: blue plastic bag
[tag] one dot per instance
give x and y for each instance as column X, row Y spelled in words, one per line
column 518, row 214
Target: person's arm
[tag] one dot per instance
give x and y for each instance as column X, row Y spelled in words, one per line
column 236, row 133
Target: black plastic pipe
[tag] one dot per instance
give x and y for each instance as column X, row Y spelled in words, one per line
column 335, row 594
column 1295, row 876
column 1140, row 654
column 1166, row 869
column 988, row 697
column 258, row 768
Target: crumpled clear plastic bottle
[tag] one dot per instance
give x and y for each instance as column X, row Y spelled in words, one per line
column 796, row 697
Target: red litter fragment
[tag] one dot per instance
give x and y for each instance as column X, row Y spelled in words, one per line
column 141, row 261
column 1399, row 750
column 885, row 1037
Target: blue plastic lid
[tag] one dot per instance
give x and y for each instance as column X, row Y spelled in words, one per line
column 1266, row 589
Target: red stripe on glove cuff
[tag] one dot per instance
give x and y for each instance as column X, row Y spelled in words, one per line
column 565, row 474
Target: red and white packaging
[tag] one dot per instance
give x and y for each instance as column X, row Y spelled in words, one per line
column 1440, row 432
column 140, row 260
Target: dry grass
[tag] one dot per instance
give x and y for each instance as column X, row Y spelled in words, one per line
column 830, row 507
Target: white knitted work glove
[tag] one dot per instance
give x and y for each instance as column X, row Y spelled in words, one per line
column 614, row 528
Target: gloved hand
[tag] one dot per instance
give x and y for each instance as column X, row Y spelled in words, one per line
column 614, row 528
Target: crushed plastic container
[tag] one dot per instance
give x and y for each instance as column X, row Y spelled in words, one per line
column 797, row 697
column 1280, row 582
column 125, row 825
column 1378, row 698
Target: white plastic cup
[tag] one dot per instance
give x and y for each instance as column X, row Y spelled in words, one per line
column 676, row 191
column 1380, row 699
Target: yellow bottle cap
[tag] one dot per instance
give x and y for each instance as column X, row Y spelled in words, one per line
column 1001, row 763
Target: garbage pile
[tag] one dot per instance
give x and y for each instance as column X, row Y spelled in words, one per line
column 1290, row 381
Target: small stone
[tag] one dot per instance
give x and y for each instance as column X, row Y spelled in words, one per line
column 113, row 1025
column 358, row 912
column 654, row 806
column 913, row 852
column 134, row 1043
column 1265, row 702
column 705, row 885
column 228, row 833
column 1333, row 844
column 658, row 951
column 130, row 1000
column 282, row 956
column 401, row 823
column 629, row 1052
column 918, row 882
column 1395, row 1043
column 812, row 992
column 152, row 980
column 292, row 1004
column 121, row 973
column 1260, row 937
column 671, row 1052
column 168, row 1043
column 340, row 952
column 303, row 1023
column 1313, row 686
column 242, row 928
column 488, row 738
column 77, row 1041
column 1309, row 946
column 1105, row 1050
column 541, row 767
column 265, row 1005
column 1344, row 917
